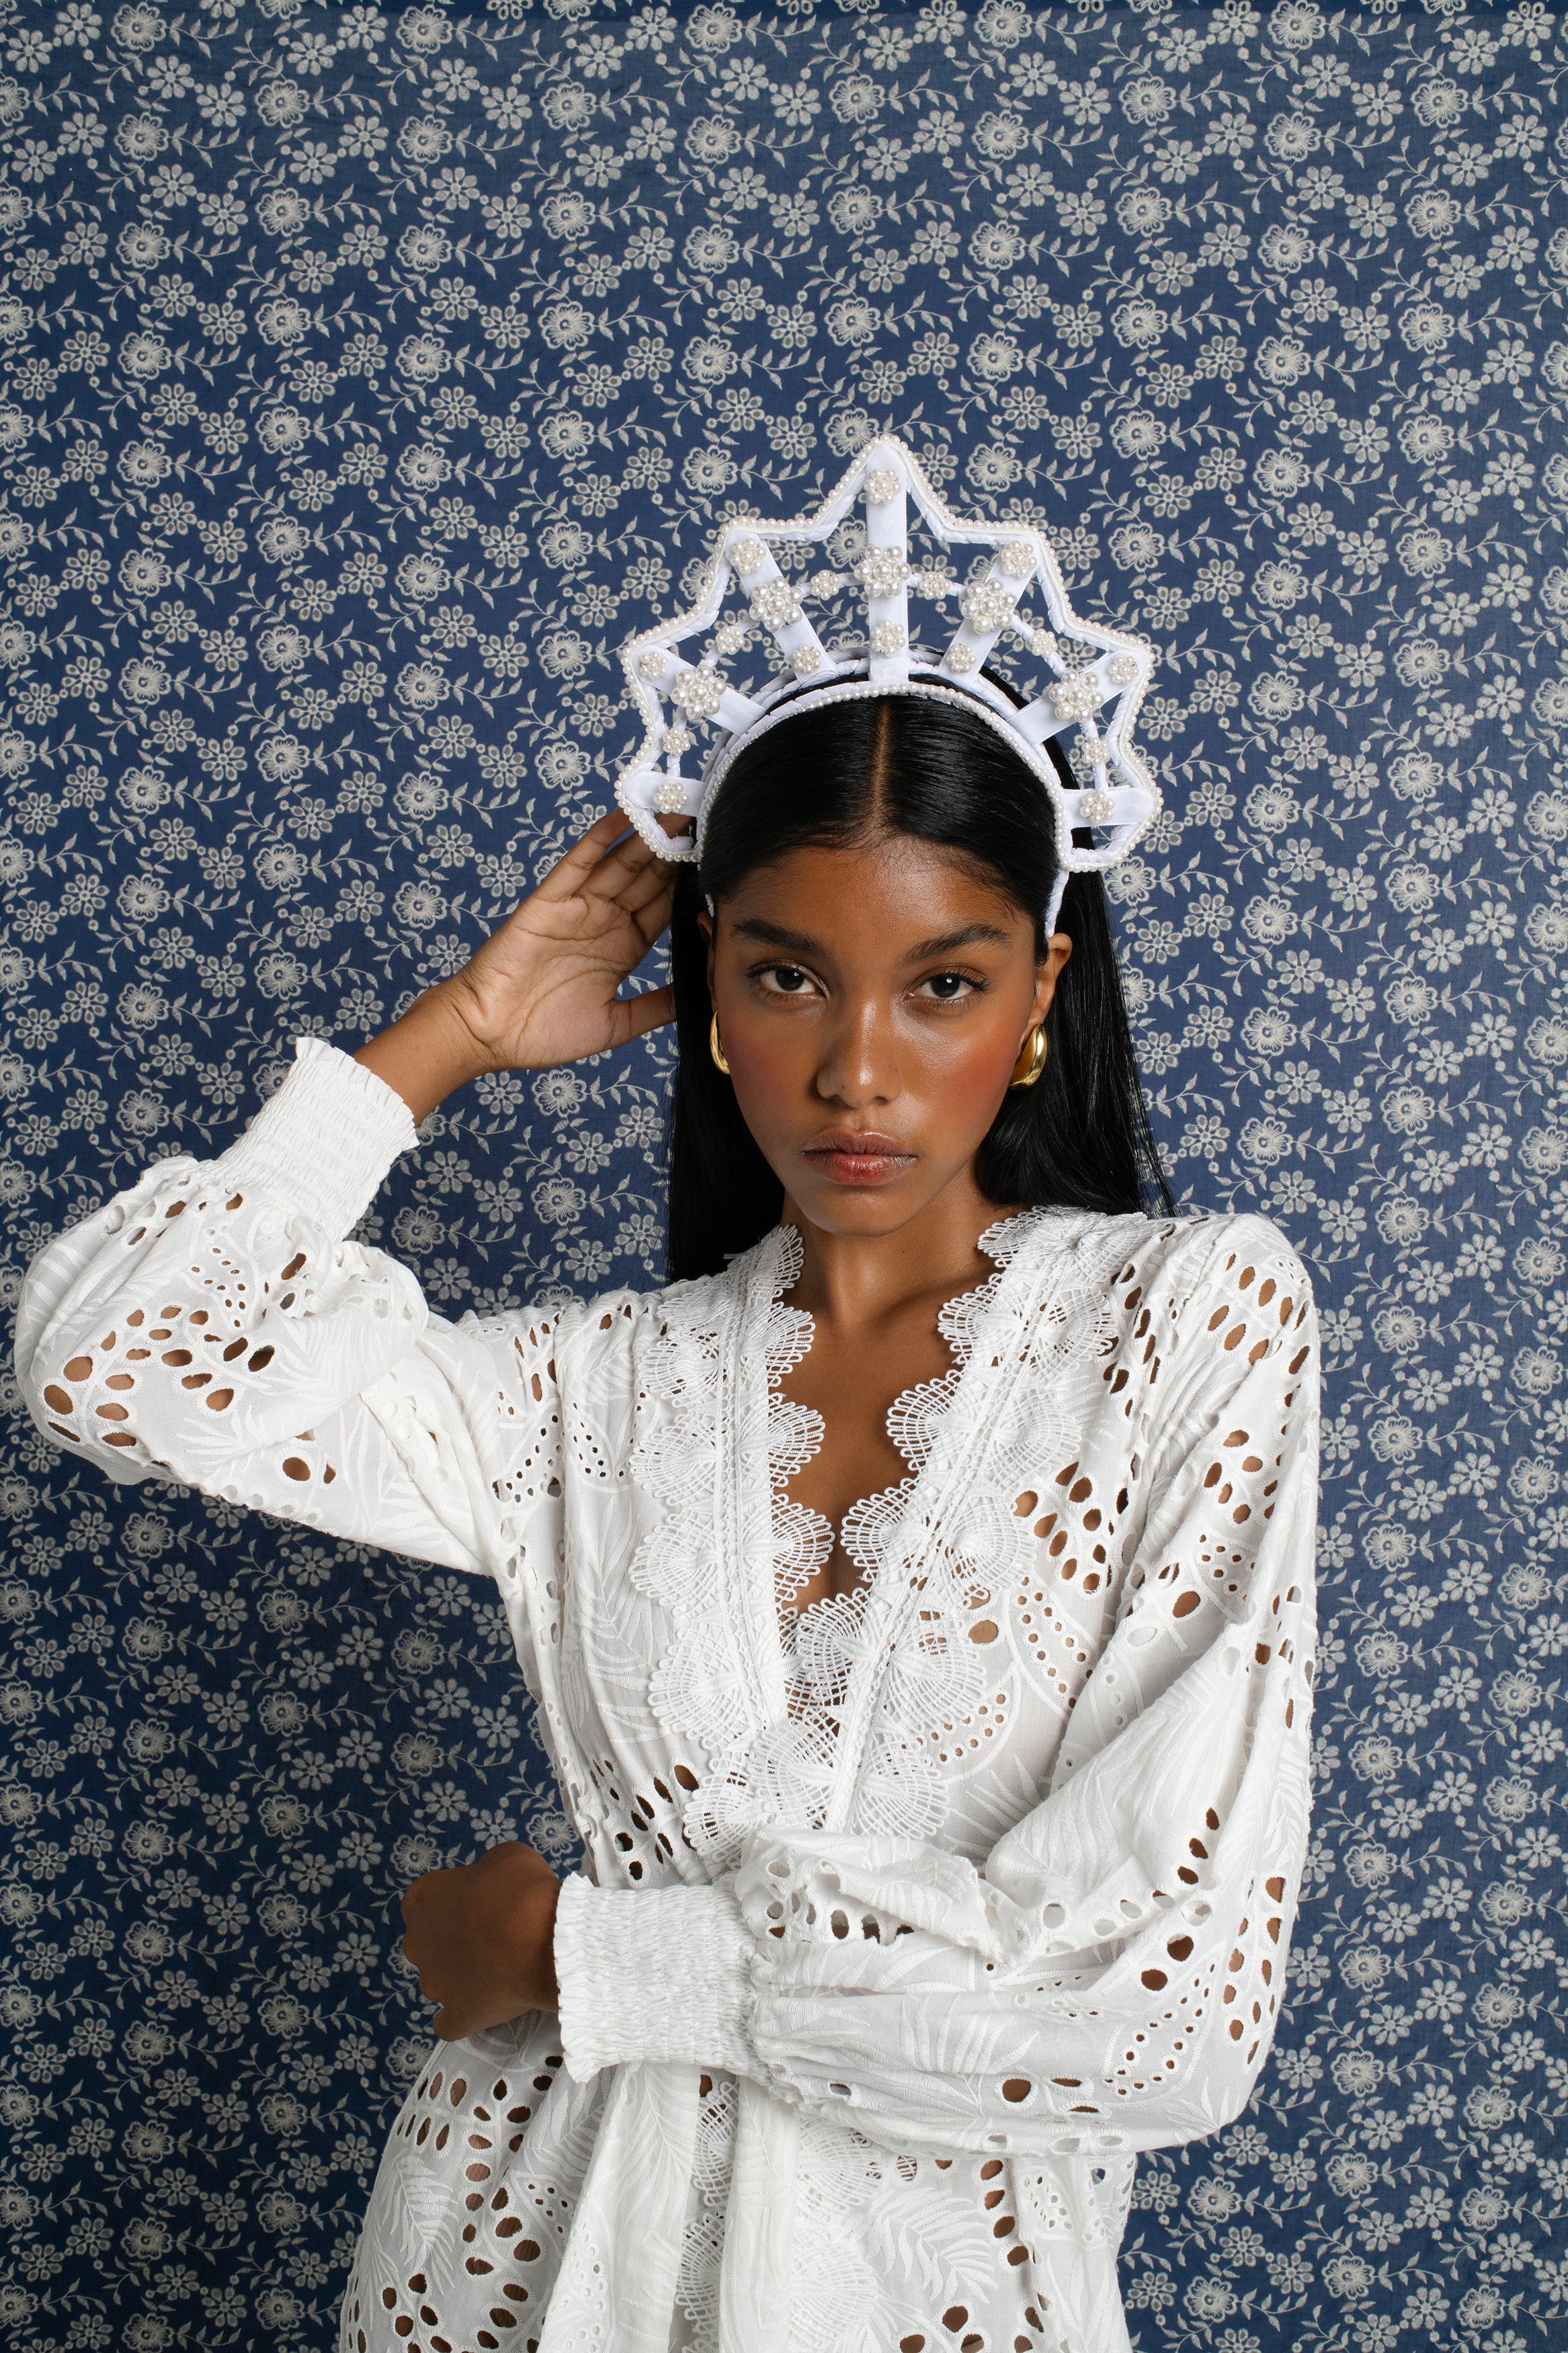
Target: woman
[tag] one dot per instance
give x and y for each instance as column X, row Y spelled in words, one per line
column 916, row 1593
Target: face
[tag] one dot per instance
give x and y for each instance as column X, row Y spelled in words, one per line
column 873, row 1003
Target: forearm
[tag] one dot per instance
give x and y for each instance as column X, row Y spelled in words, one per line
column 428, row 1053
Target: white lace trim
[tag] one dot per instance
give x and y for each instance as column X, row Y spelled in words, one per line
column 717, row 1538
column 772, row 1755
column 966, row 1533
column 826, row 1642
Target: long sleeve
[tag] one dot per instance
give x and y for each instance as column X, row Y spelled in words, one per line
column 212, row 1325
column 1108, row 1977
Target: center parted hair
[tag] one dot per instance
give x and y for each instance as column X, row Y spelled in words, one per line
column 892, row 764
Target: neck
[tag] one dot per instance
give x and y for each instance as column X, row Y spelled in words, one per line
column 853, row 1281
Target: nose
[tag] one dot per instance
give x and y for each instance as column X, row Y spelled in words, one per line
column 860, row 1063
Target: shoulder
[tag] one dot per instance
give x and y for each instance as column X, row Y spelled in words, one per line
column 1179, row 1314
column 624, row 1322
column 1224, row 1283
column 1242, row 1257
column 1210, row 1247
column 1237, row 1309
column 753, row 1280
column 1169, row 1299
column 1171, row 1254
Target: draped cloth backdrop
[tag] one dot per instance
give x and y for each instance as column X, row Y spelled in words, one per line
column 369, row 376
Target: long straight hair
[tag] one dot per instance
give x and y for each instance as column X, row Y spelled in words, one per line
column 846, row 773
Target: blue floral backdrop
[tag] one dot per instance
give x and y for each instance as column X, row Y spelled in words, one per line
column 369, row 375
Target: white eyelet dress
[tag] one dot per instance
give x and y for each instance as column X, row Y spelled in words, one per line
column 906, row 1924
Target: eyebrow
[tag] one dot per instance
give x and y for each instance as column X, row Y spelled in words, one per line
column 973, row 935
column 774, row 936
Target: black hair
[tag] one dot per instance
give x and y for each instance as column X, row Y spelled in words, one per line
column 1080, row 1138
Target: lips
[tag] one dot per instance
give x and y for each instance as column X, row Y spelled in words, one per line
column 858, row 1157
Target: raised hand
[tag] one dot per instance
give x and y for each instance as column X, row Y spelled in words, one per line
column 543, row 988
column 482, row 1939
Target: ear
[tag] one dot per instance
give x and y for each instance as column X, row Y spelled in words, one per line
column 1048, row 972
column 709, row 930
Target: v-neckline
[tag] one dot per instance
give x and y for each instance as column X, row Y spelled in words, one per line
column 785, row 1702
column 814, row 1647
column 904, row 1414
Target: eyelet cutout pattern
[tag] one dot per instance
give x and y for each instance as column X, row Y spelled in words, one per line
column 1067, row 1981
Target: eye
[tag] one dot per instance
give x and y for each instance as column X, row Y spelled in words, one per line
column 949, row 987
column 785, row 979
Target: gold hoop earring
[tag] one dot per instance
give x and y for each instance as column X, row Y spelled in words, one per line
column 1031, row 1058
column 715, row 1048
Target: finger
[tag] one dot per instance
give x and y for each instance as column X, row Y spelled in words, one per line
column 492, row 1854
column 416, row 1943
column 654, row 881
column 525, row 1855
column 573, row 865
column 633, row 1017
column 652, row 922
column 625, row 860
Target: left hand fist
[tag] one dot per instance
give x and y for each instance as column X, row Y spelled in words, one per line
column 482, row 1939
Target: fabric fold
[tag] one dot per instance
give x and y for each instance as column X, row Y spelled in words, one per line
column 324, row 1142
column 757, row 2270
column 614, row 2289
column 651, row 1974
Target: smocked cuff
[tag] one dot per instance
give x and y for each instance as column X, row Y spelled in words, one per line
column 325, row 1140
column 651, row 1973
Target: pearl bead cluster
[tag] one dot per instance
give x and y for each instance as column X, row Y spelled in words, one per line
column 884, row 570
column 1078, row 695
column 988, row 605
column 776, row 604
column 699, row 692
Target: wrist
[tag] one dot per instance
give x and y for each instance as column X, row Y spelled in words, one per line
column 547, row 1983
column 524, row 1930
column 448, row 1011
column 427, row 1052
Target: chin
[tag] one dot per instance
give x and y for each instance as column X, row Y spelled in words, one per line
column 859, row 1209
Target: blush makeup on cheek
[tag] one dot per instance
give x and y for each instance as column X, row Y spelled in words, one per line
column 971, row 1098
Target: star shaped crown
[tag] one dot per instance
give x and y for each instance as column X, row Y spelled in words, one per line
column 1094, row 678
